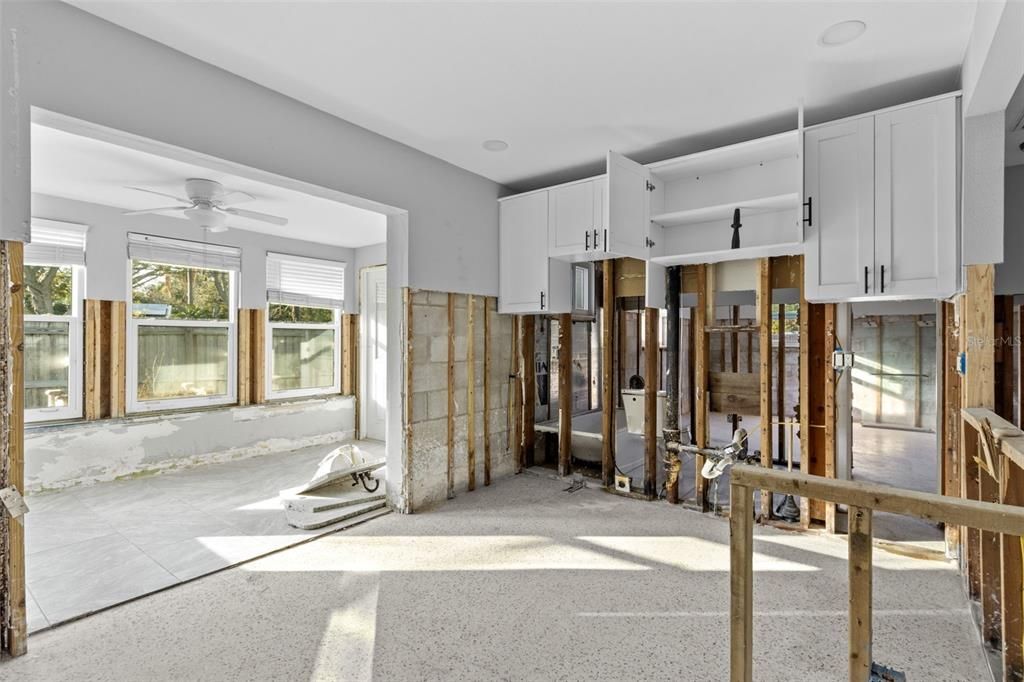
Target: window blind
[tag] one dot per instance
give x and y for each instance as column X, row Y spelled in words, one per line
column 56, row 243
column 182, row 252
column 296, row 280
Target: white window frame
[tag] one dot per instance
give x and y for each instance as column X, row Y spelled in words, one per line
column 76, row 371
column 333, row 389
column 132, row 353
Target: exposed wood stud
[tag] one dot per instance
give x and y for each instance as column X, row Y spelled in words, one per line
column 830, row 409
column 349, row 334
column 471, row 392
column 917, row 371
column 977, row 333
column 93, row 408
column 409, row 416
column 780, row 384
column 516, row 395
column 258, row 371
column 244, row 360
column 451, row 396
column 702, row 317
column 608, row 401
column 564, row 394
column 949, row 424
column 991, row 558
column 17, row 634
column 487, row 389
column 651, row 403
column 529, row 393
column 763, row 299
column 741, row 584
column 1011, row 549
column 805, row 393
column 859, row 566
column 118, row 330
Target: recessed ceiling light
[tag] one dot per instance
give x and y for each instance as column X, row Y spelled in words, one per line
column 842, row 33
column 495, row 145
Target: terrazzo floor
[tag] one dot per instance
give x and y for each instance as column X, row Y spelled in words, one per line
column 90, row 547
column 520, row 581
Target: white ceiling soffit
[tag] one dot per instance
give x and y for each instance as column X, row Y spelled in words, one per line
column 562, row 83
column 87, row 169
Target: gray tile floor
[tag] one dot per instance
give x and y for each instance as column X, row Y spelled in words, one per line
column 88, row 548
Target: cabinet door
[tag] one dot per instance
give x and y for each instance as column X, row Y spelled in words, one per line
column 839, row 182
column 627, row 209
column 915, row 200
column 572, row 222
column 522, row 253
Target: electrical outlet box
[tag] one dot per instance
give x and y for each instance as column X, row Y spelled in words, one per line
column 622, row 483
column 842, row 360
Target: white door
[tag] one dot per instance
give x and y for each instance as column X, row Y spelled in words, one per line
column 839, row 183
column 628, row 209
column 915, row 200
column 373, row 310
column 572, row 223
column 523, row 254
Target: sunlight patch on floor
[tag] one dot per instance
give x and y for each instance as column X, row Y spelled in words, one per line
column 690, row 553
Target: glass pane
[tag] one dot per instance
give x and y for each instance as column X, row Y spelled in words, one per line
column 48, row 289
column 297, row 313
column 182, row 362
column 303, row 358
column 581, row 288
column 179, row 293
column 46, row 364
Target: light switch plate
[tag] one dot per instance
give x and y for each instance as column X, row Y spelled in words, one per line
column 13, row 502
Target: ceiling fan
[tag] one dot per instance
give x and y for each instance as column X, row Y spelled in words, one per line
column 207, row 205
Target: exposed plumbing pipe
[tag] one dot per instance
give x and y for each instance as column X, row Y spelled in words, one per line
column 671, row 428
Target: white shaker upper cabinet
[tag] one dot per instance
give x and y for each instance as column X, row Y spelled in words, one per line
column 527, row 278
column 627, row 208
column 576, row 225
column 839, row 184
column 915, row 200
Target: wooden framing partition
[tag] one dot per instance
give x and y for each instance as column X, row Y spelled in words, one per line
column 529, row 392
column 702, row 318
column 104, row 372
column 564, row 394
column 763, row 298
column 651, row 384
column 609, row 403
column 13, row 613
column 863, row 500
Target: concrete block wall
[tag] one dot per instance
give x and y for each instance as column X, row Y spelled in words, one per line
column 429, row 456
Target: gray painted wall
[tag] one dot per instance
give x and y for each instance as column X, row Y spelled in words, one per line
column 62, row 59
column 983, row 152
column 107, row 243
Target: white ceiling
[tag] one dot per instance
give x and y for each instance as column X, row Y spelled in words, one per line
column 564, row 82
column 86, row 169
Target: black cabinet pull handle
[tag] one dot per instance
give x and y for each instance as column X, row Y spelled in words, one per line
column 883, row 279
column 865, row 279
column 586, row 239
column 542, row 300
column 810, row 211
column 595, row 238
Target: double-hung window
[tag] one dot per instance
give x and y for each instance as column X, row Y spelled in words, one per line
column 181, row 335
column 54, row 274
column 305, row 297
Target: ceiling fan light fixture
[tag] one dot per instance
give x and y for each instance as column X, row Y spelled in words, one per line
column 842, row 33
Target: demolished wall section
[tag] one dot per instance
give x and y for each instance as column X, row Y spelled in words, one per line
column 428, row 459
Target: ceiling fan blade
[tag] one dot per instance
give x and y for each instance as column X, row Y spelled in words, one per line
column 256, row 215
column 156, row 210
column 160, row 194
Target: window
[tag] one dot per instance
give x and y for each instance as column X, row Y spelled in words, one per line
column 181, row 335
column 305, row 297
column 54, row 274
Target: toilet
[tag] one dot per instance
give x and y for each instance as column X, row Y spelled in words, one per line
column 633, row 402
